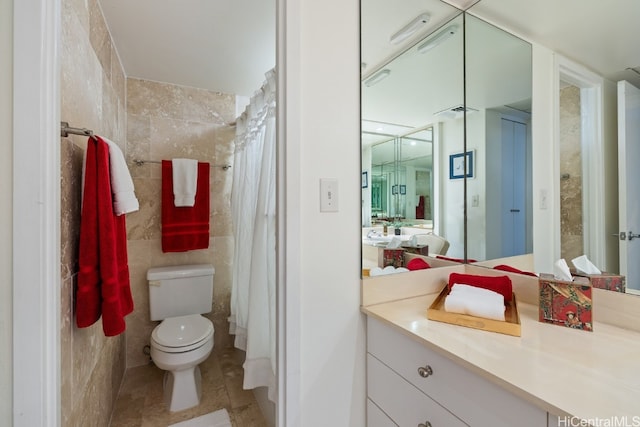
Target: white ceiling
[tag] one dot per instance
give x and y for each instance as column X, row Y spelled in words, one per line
column 228, row 45
column 601, row 35
column 221, row 45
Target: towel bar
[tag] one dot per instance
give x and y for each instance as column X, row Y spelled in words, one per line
column 139, row 162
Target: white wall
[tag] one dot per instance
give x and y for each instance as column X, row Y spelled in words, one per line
column 6, row 224
column 546, row 226
column 452, row 190
column 323, row 249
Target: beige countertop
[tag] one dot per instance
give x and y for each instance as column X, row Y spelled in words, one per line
column 589, row 375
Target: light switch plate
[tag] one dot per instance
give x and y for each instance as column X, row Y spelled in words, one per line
column 328, row 195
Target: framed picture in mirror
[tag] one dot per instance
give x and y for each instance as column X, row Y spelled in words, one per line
column 456, row 165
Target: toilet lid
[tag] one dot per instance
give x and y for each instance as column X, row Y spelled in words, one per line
column 183, row 333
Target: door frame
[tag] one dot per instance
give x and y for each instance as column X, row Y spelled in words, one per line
column 592, row 141
column 36, row 213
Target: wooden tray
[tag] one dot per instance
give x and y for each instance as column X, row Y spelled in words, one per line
column 511, row 325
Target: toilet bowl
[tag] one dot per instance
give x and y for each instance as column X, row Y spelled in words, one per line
column 178, row 296
column 178, row 346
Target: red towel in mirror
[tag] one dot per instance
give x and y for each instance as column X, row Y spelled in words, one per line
column 504, row 267
column 499, row 284
column 185, row 228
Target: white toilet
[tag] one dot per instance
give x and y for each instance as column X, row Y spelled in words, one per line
column 178, row 295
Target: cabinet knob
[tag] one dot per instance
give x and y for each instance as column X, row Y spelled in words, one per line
column 425, row 424
column 425, row 372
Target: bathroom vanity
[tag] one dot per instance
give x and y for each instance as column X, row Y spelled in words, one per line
column 427, row 373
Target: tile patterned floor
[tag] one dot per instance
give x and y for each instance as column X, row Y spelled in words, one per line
column 140, row 401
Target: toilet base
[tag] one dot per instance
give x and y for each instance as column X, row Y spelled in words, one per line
column 182, row 389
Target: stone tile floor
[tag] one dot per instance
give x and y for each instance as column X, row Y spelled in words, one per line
column 140, row 401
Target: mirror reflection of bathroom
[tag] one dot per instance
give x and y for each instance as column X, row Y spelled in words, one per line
column 167, row 81
column 411, row 121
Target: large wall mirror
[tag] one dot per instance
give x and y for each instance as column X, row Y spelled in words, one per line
column 418, row 132
column 484, row 115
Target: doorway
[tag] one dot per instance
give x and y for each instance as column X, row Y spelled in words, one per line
column 580, row 164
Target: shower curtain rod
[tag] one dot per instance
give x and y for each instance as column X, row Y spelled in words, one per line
column 142, row 162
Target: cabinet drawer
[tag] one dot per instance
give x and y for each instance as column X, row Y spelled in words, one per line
column 471, row 398
column 402, row 402
column 377, row 418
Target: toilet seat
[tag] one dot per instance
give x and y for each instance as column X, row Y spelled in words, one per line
column 182, row 334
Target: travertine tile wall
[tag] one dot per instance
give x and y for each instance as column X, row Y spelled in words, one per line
column 570, row 174
column 92, row 96
column 166, row 121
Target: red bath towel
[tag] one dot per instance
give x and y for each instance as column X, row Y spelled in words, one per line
column 185, row 228
column 103, row 277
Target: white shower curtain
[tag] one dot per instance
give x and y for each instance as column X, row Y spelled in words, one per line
column 253, row 208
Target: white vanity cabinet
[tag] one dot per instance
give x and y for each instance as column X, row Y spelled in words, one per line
column 410, row 385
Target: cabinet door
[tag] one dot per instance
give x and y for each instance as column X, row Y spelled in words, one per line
column 377, row 418
column 471, row 398
column 405, row 405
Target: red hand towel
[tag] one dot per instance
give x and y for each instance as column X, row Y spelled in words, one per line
column 499, row 284
column 185, row 228
column 504, row 267
column 103, row 280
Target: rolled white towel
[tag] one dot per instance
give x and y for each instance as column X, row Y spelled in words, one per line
column 474, row 301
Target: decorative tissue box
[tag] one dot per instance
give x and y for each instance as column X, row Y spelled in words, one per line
column 393, row 257
column 566, row 303
column 607, row 281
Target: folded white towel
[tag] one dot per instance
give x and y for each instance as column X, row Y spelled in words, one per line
column 124, row 198
column 185, row 181
column 479, row 302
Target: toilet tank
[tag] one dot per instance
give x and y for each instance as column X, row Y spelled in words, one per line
column 180, row 290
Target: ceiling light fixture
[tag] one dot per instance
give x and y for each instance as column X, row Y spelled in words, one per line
column 377, row 77
column 409, row 29
column 438, row 38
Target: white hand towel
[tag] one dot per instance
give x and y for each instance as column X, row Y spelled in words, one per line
column 474, row 301
column 185, row 181
column 561, row 271
column 124, row 198
column 583, row 265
